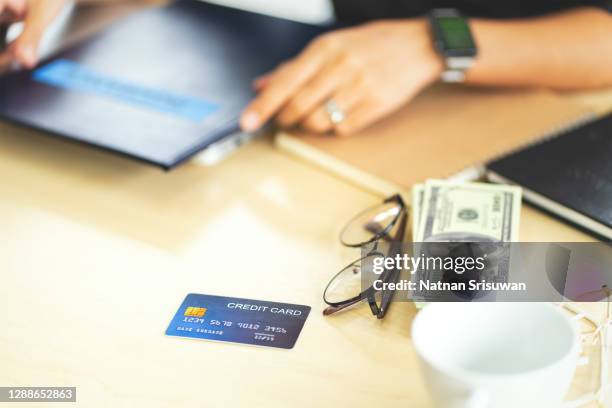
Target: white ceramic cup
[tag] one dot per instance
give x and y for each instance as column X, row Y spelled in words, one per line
column 496, row 355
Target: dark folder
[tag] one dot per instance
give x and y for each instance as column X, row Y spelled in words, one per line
column 569, row 175
column 159, row 85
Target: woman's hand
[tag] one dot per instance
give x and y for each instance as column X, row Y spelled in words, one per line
column 36, row 15
column 368, row 72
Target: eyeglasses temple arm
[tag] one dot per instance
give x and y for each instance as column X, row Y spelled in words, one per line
column 333, row 309
column 387, row 296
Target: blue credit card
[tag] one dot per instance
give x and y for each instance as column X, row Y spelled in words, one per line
column 72, row 76
column 238, row 320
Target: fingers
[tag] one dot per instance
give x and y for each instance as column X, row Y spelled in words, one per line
column 38, row 16
column 313, row 93
column 284, row 83
column 319, row 121
column 14, row 6
column 361, row 117
column 12, row 11
column 261, row 82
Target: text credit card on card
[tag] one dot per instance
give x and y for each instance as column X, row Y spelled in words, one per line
column 238, row 320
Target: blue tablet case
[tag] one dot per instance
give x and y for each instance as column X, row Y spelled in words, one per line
column 159, row 85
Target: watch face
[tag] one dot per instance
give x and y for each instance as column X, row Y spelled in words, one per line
column 456, row 33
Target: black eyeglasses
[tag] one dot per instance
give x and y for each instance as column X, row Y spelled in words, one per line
column 384, row 222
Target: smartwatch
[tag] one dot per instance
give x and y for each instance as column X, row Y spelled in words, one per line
column 453, row 41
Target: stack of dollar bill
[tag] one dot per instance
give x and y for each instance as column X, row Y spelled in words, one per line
column 447, row 211
column 444, row 211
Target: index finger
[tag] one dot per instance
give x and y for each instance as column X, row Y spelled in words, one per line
column 282, row 85
column 38, row 17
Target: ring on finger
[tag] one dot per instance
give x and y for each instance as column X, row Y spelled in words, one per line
column 335, row 112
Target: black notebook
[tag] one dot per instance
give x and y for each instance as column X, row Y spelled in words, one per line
column 569, row 175
column 159, row 85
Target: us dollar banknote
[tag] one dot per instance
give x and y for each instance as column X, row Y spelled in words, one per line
column 482, row 214
column 418, row 194
column 448, row 211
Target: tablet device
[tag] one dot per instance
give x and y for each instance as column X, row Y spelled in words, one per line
column 158, row 86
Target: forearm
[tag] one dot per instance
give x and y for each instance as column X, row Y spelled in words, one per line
column 569, row 50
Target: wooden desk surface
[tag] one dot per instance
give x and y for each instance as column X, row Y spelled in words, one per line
column 98, row 252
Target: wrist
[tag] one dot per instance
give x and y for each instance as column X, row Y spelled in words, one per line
column 419, row 46
column 432, row 59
